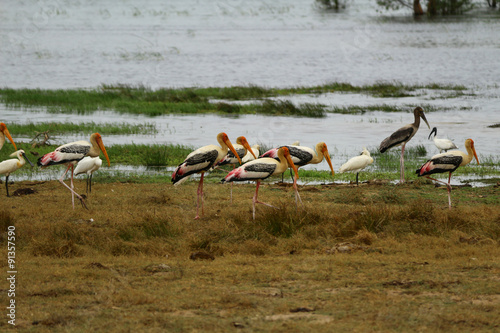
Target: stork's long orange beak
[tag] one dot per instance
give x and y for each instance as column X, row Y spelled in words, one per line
column 291, row 164
column 230, row 146
column 6, row 132
column 328, row 160
column 474, row 151
column 103, row 149
column 245, row 144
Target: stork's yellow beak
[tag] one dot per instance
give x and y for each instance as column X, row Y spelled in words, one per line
column 290, row 162
column 230, row 146
column 6, row 132
column 248, row 148
column 328, row 160
column 103, row 149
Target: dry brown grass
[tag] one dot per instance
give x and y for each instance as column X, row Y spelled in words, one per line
column 374, row 258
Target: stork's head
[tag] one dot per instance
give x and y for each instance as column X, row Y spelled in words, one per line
column 5, row 131
column 223, row 140
column 286, row 153
column 324, row 150
column 98, row 139
column 420, row 113
column 241, row 140
column 469, row 144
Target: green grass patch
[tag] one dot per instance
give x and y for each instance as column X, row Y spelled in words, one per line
column 143, row 100
column 357, row 109
column 127, row 154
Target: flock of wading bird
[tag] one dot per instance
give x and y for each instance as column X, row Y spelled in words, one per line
column 85, row 155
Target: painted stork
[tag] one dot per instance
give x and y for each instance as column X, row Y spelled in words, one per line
column 402, row 136
column 9, row 166
column 358, row 163
column 261, row 169
column 242, row 148
column 4, row 132
column 88, row 165
column 69, row 154
column 442, row 144
column 302, row 155
column 251, row 154
column 448, row 162
column 200, row 161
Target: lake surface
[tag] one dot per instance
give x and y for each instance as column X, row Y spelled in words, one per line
column 177, row 43
column 61, row 45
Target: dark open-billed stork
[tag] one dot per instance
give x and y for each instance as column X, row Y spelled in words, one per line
column 9, row 166
column 241, row 147
column 302, row 155
column 402, row 136
column 200, row 161
column 448, row 162
column 261, row 169
column 4, row 132
column 69, row 154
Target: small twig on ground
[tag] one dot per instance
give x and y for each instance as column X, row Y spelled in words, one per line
column 41, row 142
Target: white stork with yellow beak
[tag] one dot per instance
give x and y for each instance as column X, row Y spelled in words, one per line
column 448, row 162
column 200, row 161
column 69, row 155
column 302, row 155
column 261, row 169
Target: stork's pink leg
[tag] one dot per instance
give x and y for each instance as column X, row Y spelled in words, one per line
column 73, row 192
column 402, row 164
column 448, row 187
column 72, row 187
column 199, row 193
column 254, row 201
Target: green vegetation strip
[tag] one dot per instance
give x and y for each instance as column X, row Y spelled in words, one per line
column 31, row 129
column 142, row 100
column 157, row 158
column 358, row 109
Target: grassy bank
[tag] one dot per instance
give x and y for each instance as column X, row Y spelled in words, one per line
column 142, row 100
column 372, row 258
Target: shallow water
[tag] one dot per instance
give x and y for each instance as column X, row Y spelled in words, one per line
column 345, row 134
column 60, row 45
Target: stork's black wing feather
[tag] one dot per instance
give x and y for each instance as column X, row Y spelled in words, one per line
column 396, row 138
